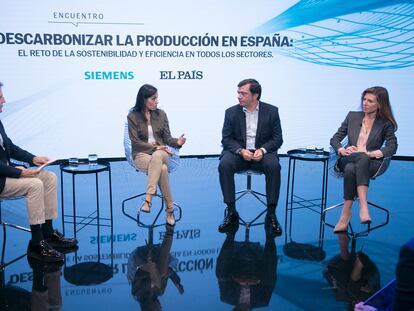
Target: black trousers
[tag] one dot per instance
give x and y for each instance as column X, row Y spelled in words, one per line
column 358, row 168
column 231, row 163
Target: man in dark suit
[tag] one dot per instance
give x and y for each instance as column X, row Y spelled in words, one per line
column 251, row 137
column 39, row 188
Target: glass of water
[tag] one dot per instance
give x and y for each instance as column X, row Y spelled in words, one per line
column 93, row 159
column 319, row 150
column 73, row 163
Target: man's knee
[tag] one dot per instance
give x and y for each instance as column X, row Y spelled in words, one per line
column 35, row 186
column 225, row 165
column 271, row 165
column 50, row 177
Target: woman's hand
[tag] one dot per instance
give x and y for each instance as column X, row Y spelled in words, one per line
column 181, row 140
column 346, row 152
column 377, row 154
column 163, row 148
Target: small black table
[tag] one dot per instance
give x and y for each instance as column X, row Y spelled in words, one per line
column 296, row 202
column 94, row 218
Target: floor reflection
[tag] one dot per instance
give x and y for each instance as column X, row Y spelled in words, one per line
column 150, row 267
column 116, row 270
column 46, row 288
column 353, row 275
column 246, row 272
column 13, row 297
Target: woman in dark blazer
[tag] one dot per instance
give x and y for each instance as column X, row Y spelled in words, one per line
column 371, row 137
column 150, row 136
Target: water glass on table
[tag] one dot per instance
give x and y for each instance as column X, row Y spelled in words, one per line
column 73, row 163
column 93, row 159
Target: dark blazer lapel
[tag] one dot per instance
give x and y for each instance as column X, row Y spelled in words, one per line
column 260, row 119
column 354, row 127
column 242, row 119
column 4, row 138
column 376, row 128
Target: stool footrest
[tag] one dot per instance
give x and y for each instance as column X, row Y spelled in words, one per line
column 138, row 218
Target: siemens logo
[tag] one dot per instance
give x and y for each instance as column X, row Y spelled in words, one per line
column 109, row 75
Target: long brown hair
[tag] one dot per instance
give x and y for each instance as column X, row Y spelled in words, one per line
column 384, row 110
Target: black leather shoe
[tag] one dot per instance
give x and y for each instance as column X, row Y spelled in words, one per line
column 44, row 267
column 43, row 251
column 230, row 223
column 273, row 227
column 57, row 240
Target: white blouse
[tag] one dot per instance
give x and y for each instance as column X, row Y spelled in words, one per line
column 151, row 138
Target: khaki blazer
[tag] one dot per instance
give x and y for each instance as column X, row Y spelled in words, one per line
column 138, row 131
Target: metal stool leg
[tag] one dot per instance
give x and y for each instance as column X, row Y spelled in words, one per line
column 258, row 195
column 370, row 227
column 4, row 264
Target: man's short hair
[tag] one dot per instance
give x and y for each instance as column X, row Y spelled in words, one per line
column 1, row 84
column 255, row 87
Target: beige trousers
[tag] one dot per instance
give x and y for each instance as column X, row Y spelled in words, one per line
column 40, row 193
column 156, row 166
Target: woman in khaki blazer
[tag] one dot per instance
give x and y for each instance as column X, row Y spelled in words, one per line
column 367, row 131
column 150, row 137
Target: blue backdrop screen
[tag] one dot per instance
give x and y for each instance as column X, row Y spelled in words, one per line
column 72, row 70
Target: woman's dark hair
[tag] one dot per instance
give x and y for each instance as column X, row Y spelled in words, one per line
column 384, row 109
column 145, row 92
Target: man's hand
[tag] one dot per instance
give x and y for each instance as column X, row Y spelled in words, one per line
column 258, row 155
column 40, row 161
column 246, row 154
column 28, row 172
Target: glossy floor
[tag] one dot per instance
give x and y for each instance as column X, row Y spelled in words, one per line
column 193, row 267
